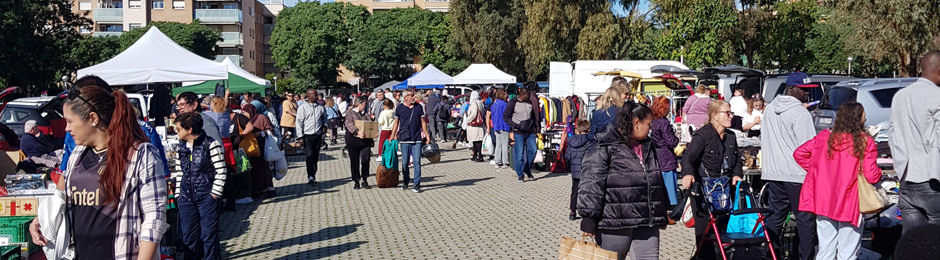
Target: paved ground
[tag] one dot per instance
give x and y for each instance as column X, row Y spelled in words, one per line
column 467, row 211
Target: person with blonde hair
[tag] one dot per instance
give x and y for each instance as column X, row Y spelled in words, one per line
column 695, row 110
column 606, row 108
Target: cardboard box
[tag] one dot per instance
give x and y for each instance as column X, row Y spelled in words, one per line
column 18, row 207
column 368, row 129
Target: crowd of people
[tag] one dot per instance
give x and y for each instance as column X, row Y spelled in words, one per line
column 626, row 175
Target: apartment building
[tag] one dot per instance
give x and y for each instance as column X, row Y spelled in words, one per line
column 379, row 5
column 240, row 22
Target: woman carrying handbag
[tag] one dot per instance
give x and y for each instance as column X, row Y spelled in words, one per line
column 114, row 183
column 833, row 160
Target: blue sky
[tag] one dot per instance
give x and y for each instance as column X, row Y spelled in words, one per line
column 619, row 10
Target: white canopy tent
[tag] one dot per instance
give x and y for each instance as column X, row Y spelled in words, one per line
column 483, row 73
column 156, row 58
column 430, row 75
column 235, row 69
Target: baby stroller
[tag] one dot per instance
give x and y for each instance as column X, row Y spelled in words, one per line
column 745, row 236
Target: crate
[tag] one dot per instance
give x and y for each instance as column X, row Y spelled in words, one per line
column 11, row 252
column 18, row 229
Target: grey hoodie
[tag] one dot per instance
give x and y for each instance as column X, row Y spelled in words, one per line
column 786, row 126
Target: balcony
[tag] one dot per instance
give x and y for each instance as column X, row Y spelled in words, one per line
column 237, row 59
column 219, row 16
column 109, row 15
column 106, row 34
column 230, row 39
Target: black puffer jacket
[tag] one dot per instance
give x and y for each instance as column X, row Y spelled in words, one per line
column 707, row 151
column 617, row 192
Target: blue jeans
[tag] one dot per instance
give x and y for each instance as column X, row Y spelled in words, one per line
column 199, row 220
column 412, row 151
column 524, row 153
column 669, row 178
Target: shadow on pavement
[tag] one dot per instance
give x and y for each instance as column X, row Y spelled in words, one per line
column 468, row 182
column 236, row 222
column 324, row 252
column 300, row 190
column 321, row 235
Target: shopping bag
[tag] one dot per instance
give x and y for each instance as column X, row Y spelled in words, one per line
column 539, row 158
column 743, row 223
column 272, row 152
column 685, row 133
column 717, row 193
column 249, row 144
column 390, row 155
column 386, row 177
column 430, row 150
column 229, row 151
column 579, row 249
column 688, row 213
column 280, row 167
column 242, row 165
column 487, row 145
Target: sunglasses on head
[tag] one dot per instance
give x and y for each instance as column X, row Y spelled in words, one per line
column 75, row 92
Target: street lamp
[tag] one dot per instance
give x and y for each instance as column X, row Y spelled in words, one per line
column 275, row 84
column 850, row 64
column 65, row 82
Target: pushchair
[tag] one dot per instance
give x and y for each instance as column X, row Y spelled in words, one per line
column 745, row 237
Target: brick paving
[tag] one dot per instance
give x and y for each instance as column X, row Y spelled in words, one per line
column 467, row 211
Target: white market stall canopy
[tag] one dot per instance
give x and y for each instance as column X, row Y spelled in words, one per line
column 429, row 77
column 156, row 58
column 235, row 69
column 483, row 73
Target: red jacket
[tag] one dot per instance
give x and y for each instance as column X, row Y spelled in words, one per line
column 831, row 185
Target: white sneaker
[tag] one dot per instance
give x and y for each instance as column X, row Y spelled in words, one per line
column 492, row 162
column 245, row 200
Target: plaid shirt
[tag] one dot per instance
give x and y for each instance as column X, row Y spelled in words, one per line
column 141, row 214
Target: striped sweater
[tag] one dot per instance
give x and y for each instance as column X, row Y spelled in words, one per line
column 193, row 167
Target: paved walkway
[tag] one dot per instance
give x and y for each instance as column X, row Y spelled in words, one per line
column 467, row 211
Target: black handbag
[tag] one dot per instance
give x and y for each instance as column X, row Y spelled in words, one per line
column 430, row 150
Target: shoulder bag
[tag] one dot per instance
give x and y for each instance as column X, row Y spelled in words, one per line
column 248, row 142
column 870, row 199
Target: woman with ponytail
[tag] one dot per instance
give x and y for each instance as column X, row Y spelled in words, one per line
column 113, row 157
column 622, row 197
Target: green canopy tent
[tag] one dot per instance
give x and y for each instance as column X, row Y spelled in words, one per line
column 236, row 84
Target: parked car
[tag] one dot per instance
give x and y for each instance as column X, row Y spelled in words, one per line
column 775, row 85
column 46, row 110
column 874, row 94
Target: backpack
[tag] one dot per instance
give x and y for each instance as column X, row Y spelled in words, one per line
column 443, row 111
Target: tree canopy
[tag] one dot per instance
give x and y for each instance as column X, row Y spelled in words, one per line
column 312, row 39
column 37, row 36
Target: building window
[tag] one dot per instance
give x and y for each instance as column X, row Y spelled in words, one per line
column 158, row 4
column 134, row 4
column 84, row 6
column 84, row 29
column 179, row 5
column 135, row 25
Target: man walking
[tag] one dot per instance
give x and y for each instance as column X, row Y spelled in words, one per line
column 310, row 122
column 914, row 115
column 433, row 99
column 522, row 115
column 787, row 125
column 409, row 126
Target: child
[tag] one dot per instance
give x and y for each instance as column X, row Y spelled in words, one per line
column 574, row 153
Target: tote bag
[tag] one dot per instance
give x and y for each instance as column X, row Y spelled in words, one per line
column 249, row 144
column 870, row 199
column 580, row 249
column 743, row 223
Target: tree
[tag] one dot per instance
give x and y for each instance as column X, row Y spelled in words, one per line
column 598, row 38
column 438, row 51
column 195, row 37
column 791, row 27
column 391, row 39
column 699, row 30
column 486, row 31
column 93, row 50
column 901, row 30
column 551, row 29
column 36, row 38
column 312, row 39
column 754, row 21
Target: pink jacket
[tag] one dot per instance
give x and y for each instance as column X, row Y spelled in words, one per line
column 831, row 185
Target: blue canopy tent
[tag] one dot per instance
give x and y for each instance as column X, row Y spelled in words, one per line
column 428, row 78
